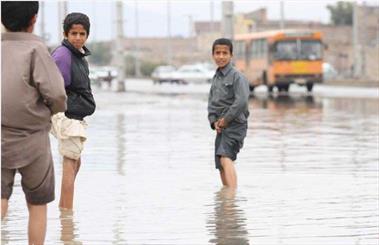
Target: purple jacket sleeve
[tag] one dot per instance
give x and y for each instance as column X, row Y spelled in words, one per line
column 62, row 57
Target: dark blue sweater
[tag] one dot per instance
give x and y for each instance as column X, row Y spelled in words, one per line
column 74, row 68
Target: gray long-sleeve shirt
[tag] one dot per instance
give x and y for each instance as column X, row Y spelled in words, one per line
column 31, row 92
column 228, row 96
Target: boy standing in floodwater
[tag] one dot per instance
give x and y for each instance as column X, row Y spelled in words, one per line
column 70, row 127
column 31, row 92
column 227, row 110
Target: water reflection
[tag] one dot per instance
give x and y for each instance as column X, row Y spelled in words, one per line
column 121, row 142
column 309, row 169
column 228, row 224
column 69, row 233
column 5, row 237
column 286, row 102
column 362, row 107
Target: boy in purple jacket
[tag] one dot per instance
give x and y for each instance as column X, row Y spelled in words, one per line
column 69, row 127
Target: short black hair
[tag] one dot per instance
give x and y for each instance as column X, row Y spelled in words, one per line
column 16, row 15
column 76, row 19
column 223, row 41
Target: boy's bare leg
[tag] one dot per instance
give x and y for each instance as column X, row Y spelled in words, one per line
column 37, row 224
column 4, row 207
column 69, row 171
column 222, row 175
column 67, row 226
column 229, row 171
column 78, row 163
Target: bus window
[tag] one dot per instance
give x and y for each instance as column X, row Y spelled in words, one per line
column 253, row 49
column 310, row 50
column 264, row 47
column 258, row 48
column 239, row 49
column 248, row 53
column 298, row 50
column 285, row 50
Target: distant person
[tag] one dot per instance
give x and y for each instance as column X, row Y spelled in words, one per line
column 109, row 79
column 69, row 127
column 227, row 110
column 31, row 91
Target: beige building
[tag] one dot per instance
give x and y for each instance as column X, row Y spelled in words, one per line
column 156, row 50
column 368, row 42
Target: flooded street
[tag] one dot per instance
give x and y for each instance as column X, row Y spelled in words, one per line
column 308, row 172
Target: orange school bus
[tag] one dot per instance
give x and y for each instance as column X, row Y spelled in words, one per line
column 280, row 57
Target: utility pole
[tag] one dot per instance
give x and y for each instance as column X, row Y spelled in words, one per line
column 94, row 32
column 169, row 55
column 362, row 37
column 212, row 16
column 193, row 46
column 62, row 12
column 357, row 47
column 282, row 25
column 227, row 19
column 42, row 21
column 119, row 54
column 137, row 64
column 190, row 26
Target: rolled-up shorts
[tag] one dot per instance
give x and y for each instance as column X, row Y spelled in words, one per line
column 229, row 142
column 71, row 135
column 37, row 180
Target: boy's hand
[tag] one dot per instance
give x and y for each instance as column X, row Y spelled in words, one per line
column 217, row 127
column 222, row 123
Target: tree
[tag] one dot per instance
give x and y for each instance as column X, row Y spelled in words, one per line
column 147, row 67
column 341, row 13
column 101, row 53
column 129, row 65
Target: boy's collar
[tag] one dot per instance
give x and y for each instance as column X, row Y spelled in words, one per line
column 74, row 50
column 20, row 36
column 225, row 70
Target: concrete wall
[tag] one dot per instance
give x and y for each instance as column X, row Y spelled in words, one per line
column 184, row 50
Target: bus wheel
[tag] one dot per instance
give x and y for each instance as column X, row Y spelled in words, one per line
column 264, row 77
column 270, row 88
column 309, row 87
column 251, row 87
column 286, row 87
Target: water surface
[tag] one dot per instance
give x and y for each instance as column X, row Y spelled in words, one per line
column 308, row 173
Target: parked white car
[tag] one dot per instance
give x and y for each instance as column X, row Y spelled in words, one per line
column 193, row 74
column 98, row 74
column 328, row 71
column 197, row 73
column 163, row 74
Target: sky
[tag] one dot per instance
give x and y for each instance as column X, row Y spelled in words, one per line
column 152, row 15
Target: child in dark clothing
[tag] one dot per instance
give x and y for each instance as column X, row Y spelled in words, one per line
column 227, row 110
column 70, row 127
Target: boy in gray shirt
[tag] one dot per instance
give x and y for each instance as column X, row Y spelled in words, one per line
column 31, row 92
column 227, row 110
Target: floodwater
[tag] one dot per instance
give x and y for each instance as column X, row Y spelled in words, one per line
column 308, row 172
